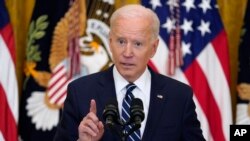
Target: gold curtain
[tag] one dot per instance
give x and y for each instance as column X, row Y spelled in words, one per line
column 119, row 3
column 20, row 13
column 232, row 13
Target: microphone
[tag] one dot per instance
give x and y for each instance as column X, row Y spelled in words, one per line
column 136, row 112
column 110, row 113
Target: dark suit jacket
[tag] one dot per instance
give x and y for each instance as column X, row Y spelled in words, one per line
column 171, row 118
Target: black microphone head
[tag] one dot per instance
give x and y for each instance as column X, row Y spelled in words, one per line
column 110, row 112
column 112, row 102
column 136, row 111
column 136, row 102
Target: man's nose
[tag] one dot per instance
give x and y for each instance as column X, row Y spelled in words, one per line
column 128, row 51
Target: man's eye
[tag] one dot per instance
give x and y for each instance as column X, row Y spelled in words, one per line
column 138, row 44
column 121, row 42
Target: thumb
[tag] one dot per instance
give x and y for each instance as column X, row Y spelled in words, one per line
column 92, row 106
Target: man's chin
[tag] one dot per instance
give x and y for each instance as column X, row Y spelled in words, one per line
column 127, row 74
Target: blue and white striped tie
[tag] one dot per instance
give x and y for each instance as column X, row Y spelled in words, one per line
column 135, row 136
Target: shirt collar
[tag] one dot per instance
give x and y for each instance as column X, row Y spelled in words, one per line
column 121, row 82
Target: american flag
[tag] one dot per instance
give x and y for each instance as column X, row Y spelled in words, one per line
column 8, row 81
column 204, row 51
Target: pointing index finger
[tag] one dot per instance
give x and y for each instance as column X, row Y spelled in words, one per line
column 92, row 106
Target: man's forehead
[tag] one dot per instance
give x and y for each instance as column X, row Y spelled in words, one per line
column 140, row 33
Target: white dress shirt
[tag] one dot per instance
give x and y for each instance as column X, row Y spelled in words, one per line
column 142, row 91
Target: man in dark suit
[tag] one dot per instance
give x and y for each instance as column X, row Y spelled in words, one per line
column 168, row 105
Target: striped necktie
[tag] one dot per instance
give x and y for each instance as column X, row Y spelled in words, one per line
column 135, row 136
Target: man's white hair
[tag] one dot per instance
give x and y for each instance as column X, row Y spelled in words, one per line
column 137, row 11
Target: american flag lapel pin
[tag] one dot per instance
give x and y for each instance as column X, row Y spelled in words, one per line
column 160, row 96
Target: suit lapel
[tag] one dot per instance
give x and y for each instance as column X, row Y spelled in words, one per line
column 107, row 88
column 107, row 92
column 157, row 99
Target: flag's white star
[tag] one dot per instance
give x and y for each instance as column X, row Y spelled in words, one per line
column 188, row 4
column 169, row 25
column 155, row 3
column 187, row 26
column 205, row 5
column 204, row 27
column 185, row 48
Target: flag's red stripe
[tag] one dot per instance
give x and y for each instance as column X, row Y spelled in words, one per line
column 61, row 96
column 204, row 95
column 8, row 125
column 57, row 80
column 61, row 86
column 8, row 37
column 152, row 66
column 56, row 71
column 221, row 48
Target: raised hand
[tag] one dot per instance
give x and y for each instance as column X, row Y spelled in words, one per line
column 90, row 128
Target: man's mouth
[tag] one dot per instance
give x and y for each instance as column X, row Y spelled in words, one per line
column 127, row 64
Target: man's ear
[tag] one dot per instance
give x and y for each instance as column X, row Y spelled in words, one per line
column 155, row 46
column 109, row 37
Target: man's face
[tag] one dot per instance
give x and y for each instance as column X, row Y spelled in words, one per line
column 132, row 46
